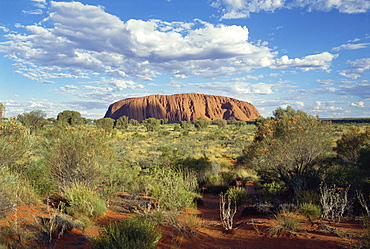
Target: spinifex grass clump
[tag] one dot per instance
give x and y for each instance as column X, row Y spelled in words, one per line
column 83, row 201
column 287, row 223
column 128, row 234
column 311, row 211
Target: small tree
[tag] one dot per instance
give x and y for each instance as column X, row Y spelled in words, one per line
column 186, row 125
column 122, row 122
column 201, row 123
column 289, row 146
column 105, row 123
column 69, row 117
column 221, row 123
column 34, row 120
column 151, row 124
column 351, row 143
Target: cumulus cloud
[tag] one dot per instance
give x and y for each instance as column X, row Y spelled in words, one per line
column 78, row 40
column 232, row 9
column 357, row 69
column 321, row 61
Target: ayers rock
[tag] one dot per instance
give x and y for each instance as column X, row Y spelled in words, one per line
column 182, row 107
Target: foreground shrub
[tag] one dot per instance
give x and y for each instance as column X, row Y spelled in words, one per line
column 287, row 223
column 128, row 234
column 15, row 142
column 173, row 189
column 77, row 155
column 83, row 201
column 238, row 195
column 311, row 211
column 13, row 191
column 288, row 147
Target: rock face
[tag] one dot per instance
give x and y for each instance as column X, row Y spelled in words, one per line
column 182, row 107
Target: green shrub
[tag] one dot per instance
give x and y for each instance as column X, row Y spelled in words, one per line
column 286, row 223
column 77, row 155
column 83, row 201
column 238, row 195
column 213, row 180
column 14, row 191
column 128, row 234
column 227, row 177
column 201, row 123
column 311, row 211
column 39, row 176
column 151, row 124
column 172, row 189
column 105, row 123
column 15, row 142
column 272, row 189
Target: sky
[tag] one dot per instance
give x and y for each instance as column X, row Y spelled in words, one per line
column 313, row 55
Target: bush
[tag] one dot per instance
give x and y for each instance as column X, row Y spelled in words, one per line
column 238, row 195
column 105, row 123
column 128, row 234
column 311, row 211
column 83, row 201
column 34, row 120
column 122, row 122
column 39, row 176
column 289, row 146
column 13, row 191
column 151, row 124
column 77, row 155
column 201, row 123
column 286, row 223
column 172, row 189
column 15, row 142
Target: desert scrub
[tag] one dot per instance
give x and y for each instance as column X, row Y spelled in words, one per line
column 287, row 223
column 84, row 201
column 77, row 155
column 13, row 192
column 128, row 234
column 15, row 142
column 238, row 195
column 172, row 189
column 311, row 211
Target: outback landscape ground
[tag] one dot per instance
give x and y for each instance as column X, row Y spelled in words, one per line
column 251, row 231
column 293, row 181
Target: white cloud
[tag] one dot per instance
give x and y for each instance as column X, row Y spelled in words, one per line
column 33, row 12
column 358, row 68
column 316, row 61
column 4, row 29
column 360, row 104
column 40, row 3
column 327, row 105
column 232, row 9
column 351, row 46
column 236, row 88
column 84, row 39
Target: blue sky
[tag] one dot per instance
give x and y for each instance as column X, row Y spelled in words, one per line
column 84, row 55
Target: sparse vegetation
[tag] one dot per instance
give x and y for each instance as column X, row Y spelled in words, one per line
column 165, row 168
column 128, row 234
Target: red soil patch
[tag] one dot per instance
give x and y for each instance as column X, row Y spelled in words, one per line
column 249, row 232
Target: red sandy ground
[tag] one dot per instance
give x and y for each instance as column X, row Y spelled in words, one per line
column 211, row 235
